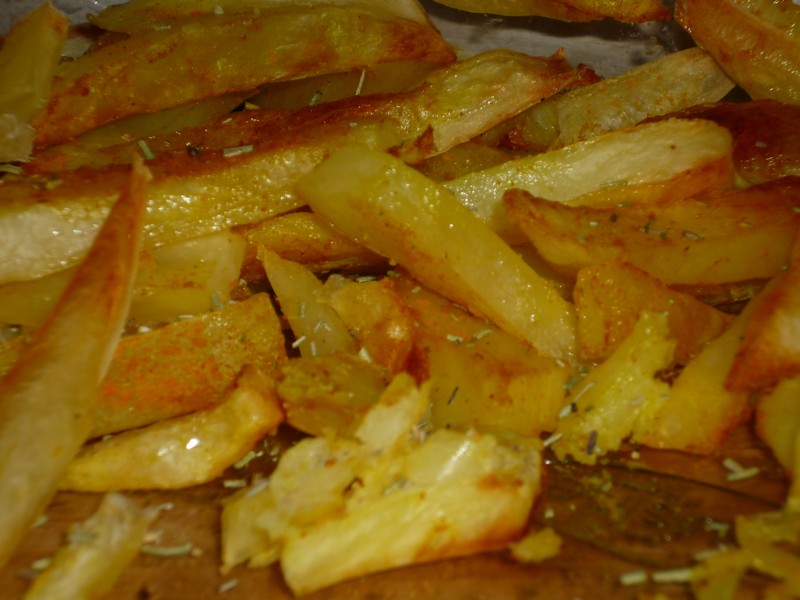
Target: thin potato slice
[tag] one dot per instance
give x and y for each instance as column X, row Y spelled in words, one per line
column 657, row 87
column 98, row 551
column 49, row 397
column 629, row 11
column 756, row 42
column 610, row 297
column 184, row 451
column 187, row 365
column 104, row 85
column 643, row 154
column 246, row 167
column 608, row 403
column 379, row 201
column 725, row 237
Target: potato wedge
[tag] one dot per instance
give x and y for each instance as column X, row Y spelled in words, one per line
column 658, row 87
column 183, row 451
column 50, row 394
column 609, row 298
column 754, row 41
column 699, row 151
column 770, row 350
column 187, row 365
column 246, row 168
column 379, row 201
column 724, row 237
column 777, row 422
column 629, row 11
column 608, row 403
column 103, row 85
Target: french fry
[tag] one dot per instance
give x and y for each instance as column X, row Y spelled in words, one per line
column 98, row 551
column 724, row 237
column 700, row 411
column 304, row 238
column 766, row 136
column 185, row 278
column 609, row 298
column 754, row 42
column 658, row 87
column 247, row 167
column 699, row 158
column 28, row 59
column 777, row 422
column 135, row 15
column 50, row 394
column 608, row 403
column 769, row 351
column 326, row 395
column 104, row 85
column 183, row 451
column 379, row 201
column 187, row 365
column 482, row 377
column 630, row 11
column 377, row 317
column 318, row 330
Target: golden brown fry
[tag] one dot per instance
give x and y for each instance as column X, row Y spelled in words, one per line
column 483, row 378
column 304, row 238
column 770, row 350
column 766, row 136
column 723, row 237
column 629, row 11
column 185, row 63
column 756, row 42
column 610, row 296
column 184, row 451
column 98, row 551
column 245, row 170
column 379, row 201
column 777, row 421
column 187, row 365
column 48, row 398
column 658, row 87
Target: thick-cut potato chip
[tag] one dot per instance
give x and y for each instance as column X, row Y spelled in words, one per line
column 629, row 11
column 724, row 237
column 392, row 209
column 187, row 62
column 756, row 42
column 610, row 297
column 657, row 87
